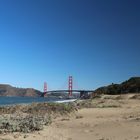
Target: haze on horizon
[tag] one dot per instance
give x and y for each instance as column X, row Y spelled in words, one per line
column 95, row 41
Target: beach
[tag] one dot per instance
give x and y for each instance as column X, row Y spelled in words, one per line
column 118, row 120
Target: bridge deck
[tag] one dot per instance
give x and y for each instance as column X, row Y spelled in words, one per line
column 68, row 91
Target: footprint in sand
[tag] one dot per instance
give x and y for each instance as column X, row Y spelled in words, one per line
column 69, row 138
column 137, row 137
column 97, row 134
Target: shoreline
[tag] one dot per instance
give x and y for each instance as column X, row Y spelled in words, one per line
column 29, row 100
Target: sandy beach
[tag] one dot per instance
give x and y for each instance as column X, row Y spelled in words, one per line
column 104, row 123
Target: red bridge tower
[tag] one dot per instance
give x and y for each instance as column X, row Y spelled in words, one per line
column 70, row 85
column 45, row 88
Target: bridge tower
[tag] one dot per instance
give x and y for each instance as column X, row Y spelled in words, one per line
column 45, row 88
column 70, row 85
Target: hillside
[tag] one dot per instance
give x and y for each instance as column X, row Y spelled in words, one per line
column 7, row 90
column 130, row 86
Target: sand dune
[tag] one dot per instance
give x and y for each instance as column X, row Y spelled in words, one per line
column 121, row 123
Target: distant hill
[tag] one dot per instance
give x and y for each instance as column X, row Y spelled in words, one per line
column 130, row 86
column 63, row 95
column 7, row 90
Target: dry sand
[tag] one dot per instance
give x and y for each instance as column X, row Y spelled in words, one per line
column 122, row 123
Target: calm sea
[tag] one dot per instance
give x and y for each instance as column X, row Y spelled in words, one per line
column 25, row 100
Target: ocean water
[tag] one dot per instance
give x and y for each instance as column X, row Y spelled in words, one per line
column 26, row 100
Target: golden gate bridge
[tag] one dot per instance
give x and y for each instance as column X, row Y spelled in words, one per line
column 70, row 90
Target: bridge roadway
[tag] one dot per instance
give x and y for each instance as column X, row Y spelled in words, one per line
column 83, row 93
column 62, row 91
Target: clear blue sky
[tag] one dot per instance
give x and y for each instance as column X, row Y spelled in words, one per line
column 95, row 41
